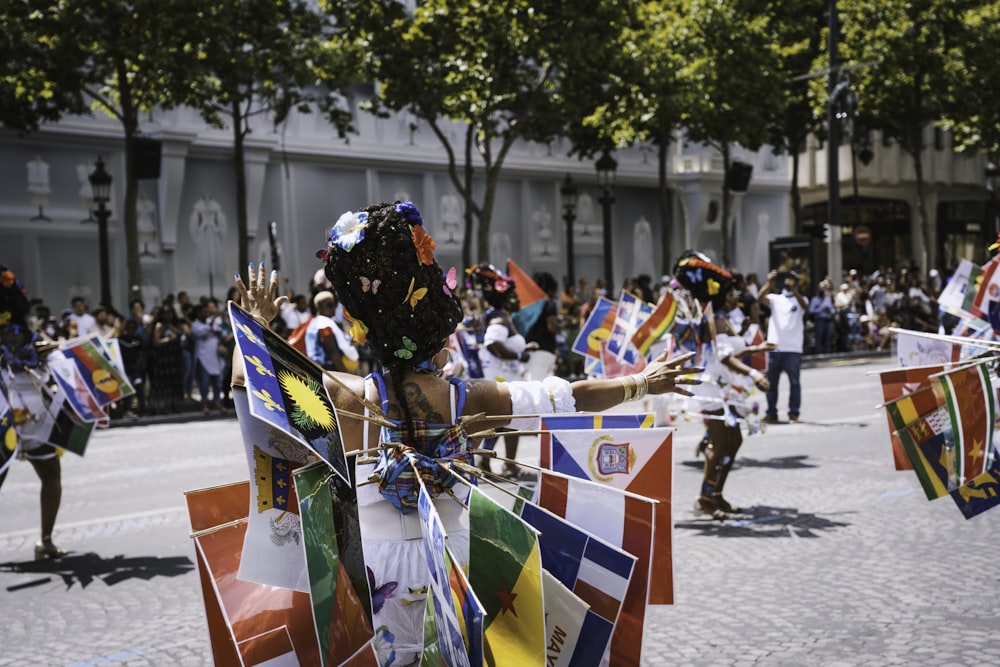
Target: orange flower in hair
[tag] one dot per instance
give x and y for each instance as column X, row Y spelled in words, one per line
column 424, row 244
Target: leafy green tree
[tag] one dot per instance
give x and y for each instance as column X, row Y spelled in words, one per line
column 494, row 70
column 910, row 40
column 971, row 111
column 734, row 73
column 636, row 96
column 268, row 57
column 123, row 58
column 798, row 38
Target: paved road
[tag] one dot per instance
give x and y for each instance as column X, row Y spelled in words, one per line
column 838, row 561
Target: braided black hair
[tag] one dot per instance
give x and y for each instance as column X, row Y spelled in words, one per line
column 393, row 287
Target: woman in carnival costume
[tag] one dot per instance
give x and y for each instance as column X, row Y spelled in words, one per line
column 727, row 380
column 504, row 350
column 22, row 378
column 380, row 262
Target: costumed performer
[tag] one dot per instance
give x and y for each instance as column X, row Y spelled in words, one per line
column 505, row 350
column 22, row 377
column 380, row 263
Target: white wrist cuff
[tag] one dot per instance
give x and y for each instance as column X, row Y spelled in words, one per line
column 551, row 395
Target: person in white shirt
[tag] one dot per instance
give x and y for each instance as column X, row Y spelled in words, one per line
column 326, row 342
column 295, row 312
column 785, row 330
column 85, row 322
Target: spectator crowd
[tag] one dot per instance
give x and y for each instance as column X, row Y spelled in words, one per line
column 177, row 353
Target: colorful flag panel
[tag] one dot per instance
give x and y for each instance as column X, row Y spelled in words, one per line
column 656, row 326
column 587, row 421
column 930, row 444
column 8, row 434
column 596, row 328
column 286, row 390
column 273, row 553
column 257, row 615
column 979, row 494
column 969, row 392
column 341, row 613
column 626, row 521
column 48, row 416
column 895, row 385
column 565, row 617
column 636, row 460
column 457, row 648
column 103, row 379
column 593, row 570
column 505, row 570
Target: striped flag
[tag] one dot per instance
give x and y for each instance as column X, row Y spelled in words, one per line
column 625, row 521
column 595, row 571
column 636, row 460
column 911, row 407
column 895, row 385
column 505, row 569
column 632, row 312
column 286, row 390
column 565, row 615
column 657, row 325
column 969, row 394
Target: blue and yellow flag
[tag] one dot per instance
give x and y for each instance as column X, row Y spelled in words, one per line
column 286, row 390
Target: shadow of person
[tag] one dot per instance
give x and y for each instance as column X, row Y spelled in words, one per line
column 777, row 463
column 764, row 521
column 84, row 569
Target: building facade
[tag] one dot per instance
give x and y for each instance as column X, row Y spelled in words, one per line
column 301, row 176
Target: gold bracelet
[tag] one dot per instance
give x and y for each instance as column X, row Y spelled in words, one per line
column 642, row 386
column 627, row 387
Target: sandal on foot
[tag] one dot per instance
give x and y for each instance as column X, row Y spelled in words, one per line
column 46, row 551
column 724, row 505
column 705, row 506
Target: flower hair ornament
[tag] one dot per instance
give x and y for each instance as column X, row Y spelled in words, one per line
column 349, row 230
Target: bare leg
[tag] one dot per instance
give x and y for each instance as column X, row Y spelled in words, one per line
column 50, row 473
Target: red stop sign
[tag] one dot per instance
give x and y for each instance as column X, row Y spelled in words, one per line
column 862, row 235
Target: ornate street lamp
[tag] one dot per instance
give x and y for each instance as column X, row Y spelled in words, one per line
column 606, row 167
column 100, row 181
column 569, row 192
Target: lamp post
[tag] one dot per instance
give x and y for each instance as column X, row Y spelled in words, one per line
column 992, row 183
column 606, row 167
column 568, row 192
column 100, row 181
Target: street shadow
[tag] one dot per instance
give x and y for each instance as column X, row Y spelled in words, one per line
column 84, row 569
column 763, row 521
column 797, row 461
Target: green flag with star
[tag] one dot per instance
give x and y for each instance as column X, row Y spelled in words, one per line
column 505, row 570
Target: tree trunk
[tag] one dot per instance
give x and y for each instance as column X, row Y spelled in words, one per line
column 666, row 210
column 925, row 225
column 468, row 198
column 796, row 195
column 726, row 204
column 239, row 165
column 129, row 217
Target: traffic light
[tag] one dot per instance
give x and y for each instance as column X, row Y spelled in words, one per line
column 826, row 233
